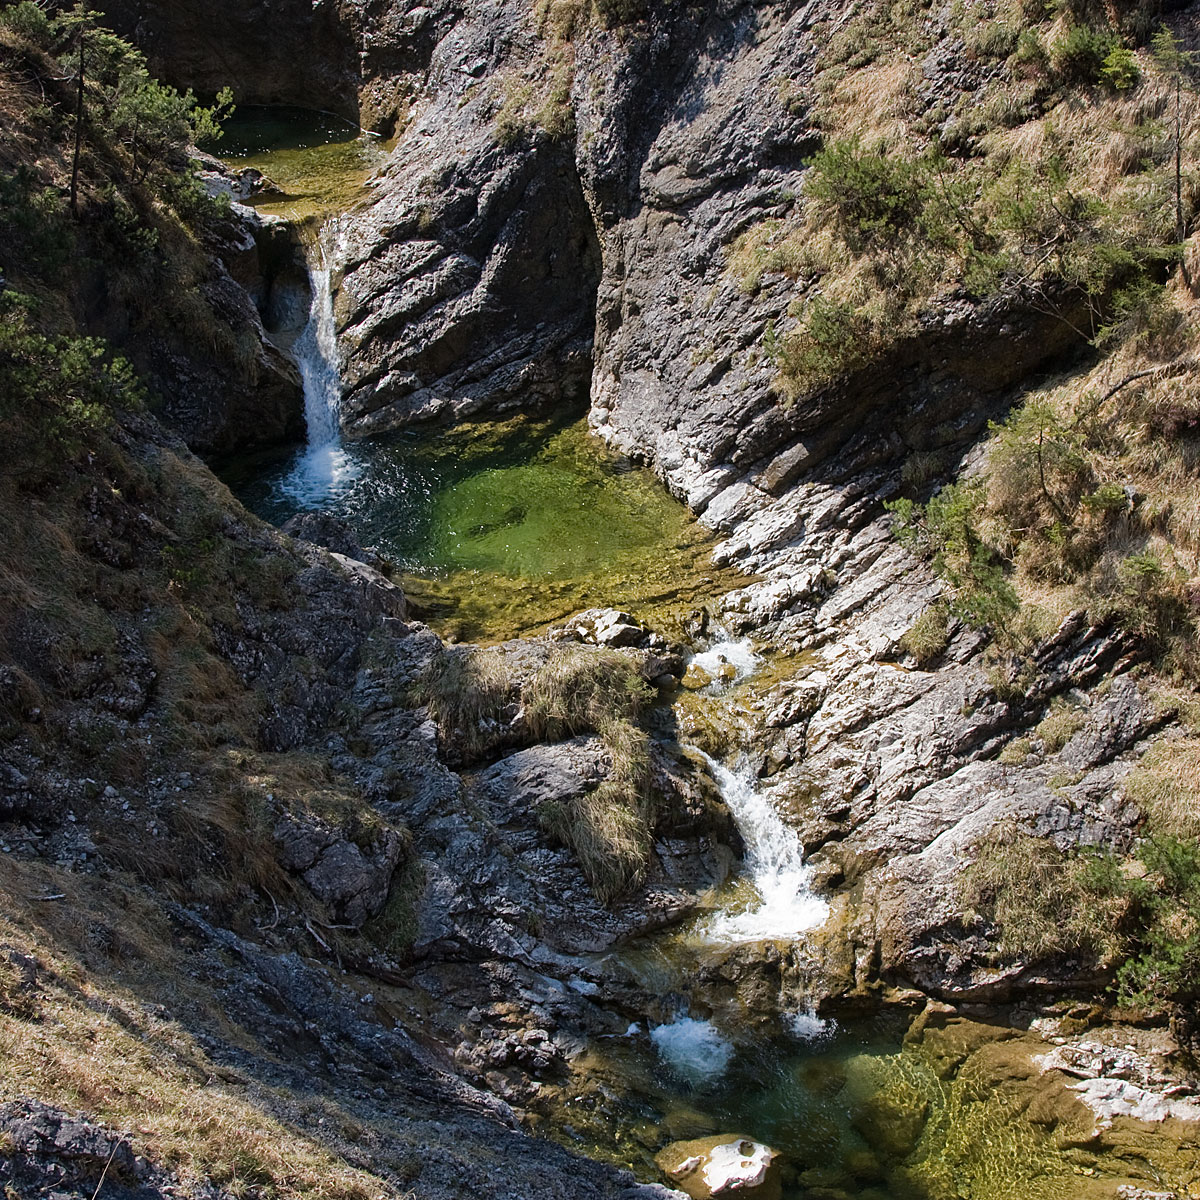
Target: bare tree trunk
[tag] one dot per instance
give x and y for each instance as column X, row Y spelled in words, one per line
column 1178, row 163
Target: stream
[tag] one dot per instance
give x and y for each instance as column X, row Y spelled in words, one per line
column 497, row 530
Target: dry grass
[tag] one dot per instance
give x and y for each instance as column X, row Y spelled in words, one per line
column 583, row 690
column 1165, row 785
column 1060, row 724
column 875, row 102
column 579, row 690
column 89, row 1040
column 467, row 691
column 1042, row 902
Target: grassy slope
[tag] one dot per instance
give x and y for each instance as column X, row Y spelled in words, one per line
column 127, row 572
column 1028, row 176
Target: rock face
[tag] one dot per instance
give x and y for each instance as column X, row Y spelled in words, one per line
column 277, row 52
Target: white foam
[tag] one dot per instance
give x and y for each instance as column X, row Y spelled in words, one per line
column 325, row 470
column 808, row 1027
column 692, row 1049
column 320, row 475
column 775, row 862
column 724, row 654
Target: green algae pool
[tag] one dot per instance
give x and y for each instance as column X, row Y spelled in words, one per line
column 954, row 1110
column 499, row 529
column 318, row 162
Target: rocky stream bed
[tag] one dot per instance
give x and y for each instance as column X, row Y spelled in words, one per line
column 796, row 975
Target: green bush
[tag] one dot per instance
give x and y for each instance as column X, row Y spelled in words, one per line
column 834, row 339
column 56, row 393
column 945, row 531
column 1120, row 69
column 1165, row 964
column 874, row 199
column 1081, row 54
column 27, row 20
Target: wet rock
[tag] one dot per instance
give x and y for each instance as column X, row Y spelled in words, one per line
column 722, row 1165
column 1116, row 1081
column 332, row 533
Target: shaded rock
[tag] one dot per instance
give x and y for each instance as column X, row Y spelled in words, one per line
column 332, row 533
column 353, row 883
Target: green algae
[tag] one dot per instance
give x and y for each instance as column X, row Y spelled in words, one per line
column 316, row 163
column 959, row 1112
column 498, row 529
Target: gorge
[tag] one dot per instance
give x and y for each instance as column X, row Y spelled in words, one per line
column 728, row 664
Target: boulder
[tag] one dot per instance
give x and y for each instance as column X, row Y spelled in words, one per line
column 724, row 1165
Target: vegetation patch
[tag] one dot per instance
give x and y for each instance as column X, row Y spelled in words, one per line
column 929, row 635
column 478, row 702
column 1060, row 725
column 1043, row 902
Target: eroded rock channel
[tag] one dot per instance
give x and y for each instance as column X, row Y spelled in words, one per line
column 574, row 811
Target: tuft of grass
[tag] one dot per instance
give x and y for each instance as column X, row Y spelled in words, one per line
column 578, row 690
column 1165, row 785
column 394, row 928
column 1016, row 752
column 1060, row 725
column 1043, row 902
column 929, row 635
column 467, row 691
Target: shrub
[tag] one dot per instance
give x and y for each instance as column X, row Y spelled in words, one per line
column 55, row 392
column 1165, row 966
column 1120, row 69
column 946, row 532
column 834, row 339
column 873, row 199
column 1080, row 55
column 27, row 20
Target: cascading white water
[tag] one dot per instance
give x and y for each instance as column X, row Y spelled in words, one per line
column 325, row 468
column 774, row 856
column 316, row 356
column 774, row 860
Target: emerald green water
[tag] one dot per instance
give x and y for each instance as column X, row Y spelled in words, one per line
column 317, row 161
column 499, row 529
column 958, row 1112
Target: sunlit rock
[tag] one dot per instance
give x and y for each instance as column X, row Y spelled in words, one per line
column 724, row 1165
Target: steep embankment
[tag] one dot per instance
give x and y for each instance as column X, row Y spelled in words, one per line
column 246, row 905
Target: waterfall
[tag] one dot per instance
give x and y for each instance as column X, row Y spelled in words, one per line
column 775, row 863
column 316, row 356
column 325, row 469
